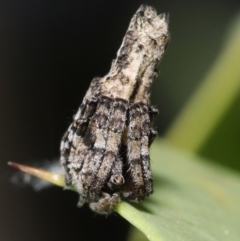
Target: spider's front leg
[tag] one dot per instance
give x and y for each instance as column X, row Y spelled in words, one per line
column 134, row 151
column 140, row 136
column 110, row 171
column 102, row 168
column 96, row 134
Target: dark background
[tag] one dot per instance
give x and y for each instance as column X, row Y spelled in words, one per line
column 49, row 52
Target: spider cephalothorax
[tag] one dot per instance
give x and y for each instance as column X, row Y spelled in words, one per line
column 105, row 151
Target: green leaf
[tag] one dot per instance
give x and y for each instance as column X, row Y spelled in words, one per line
column 192, row 200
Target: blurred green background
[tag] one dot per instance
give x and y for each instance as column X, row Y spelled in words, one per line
column 50, row 51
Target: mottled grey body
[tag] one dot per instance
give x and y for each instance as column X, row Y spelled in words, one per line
column 105, row 151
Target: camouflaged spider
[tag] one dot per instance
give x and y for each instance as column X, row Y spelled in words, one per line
column 105, row 151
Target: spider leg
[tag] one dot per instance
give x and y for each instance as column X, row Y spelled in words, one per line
column 111, row 166
column 134, row 151
column 116, row 175
column 92, row 161
column 103, row 173
column 145, row 158
column 117, row 126
column 140, row 137
column 72, row 148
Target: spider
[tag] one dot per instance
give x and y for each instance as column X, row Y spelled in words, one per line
column 105, row 151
